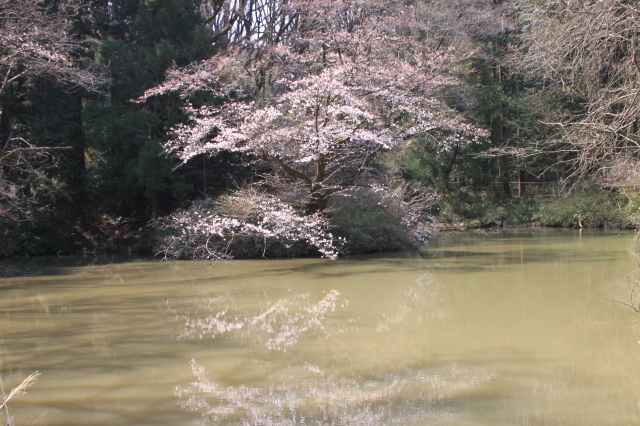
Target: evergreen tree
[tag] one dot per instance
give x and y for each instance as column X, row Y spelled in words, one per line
column 144, row 39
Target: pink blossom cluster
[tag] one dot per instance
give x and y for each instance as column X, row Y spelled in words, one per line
column 352, row 83
column 332, row 112
column 204, row 232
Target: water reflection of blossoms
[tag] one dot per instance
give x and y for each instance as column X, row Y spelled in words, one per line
column 403, row 397
column 277, row 327
column 305, row 393
column 423, row 294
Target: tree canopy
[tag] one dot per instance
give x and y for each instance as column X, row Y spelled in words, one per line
column 353, row 80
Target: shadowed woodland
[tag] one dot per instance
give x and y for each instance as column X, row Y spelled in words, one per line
column 215, row 129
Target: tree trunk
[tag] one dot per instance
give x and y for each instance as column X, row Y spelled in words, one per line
column 77, row 165
column 317, row 202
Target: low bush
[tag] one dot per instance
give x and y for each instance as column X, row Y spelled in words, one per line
column 375, row 221
column 587, row 207
column 246, row 223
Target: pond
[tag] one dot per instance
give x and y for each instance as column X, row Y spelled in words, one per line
column 508, row 327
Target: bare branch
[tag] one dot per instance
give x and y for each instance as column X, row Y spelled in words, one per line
column 35, row 41
column 592, row 50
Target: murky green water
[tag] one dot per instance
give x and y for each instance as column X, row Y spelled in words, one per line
column 488, row 328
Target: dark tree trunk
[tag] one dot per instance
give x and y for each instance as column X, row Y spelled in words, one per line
column 78, row 167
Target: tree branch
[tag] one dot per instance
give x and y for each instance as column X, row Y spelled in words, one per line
column 34, row 150
column 287, row 169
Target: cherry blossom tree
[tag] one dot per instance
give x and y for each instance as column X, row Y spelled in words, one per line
column 354, row 80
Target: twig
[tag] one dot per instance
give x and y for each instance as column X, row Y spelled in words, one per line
column 4, row 400
column 635, row 285
column 625, row 304
column 19, row 391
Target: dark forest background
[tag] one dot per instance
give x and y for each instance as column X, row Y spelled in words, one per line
column 84, row 170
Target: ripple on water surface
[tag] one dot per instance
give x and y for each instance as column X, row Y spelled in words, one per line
column 503, row 328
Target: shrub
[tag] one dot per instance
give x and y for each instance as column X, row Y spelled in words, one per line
column 372, row 220
column 588, row 207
